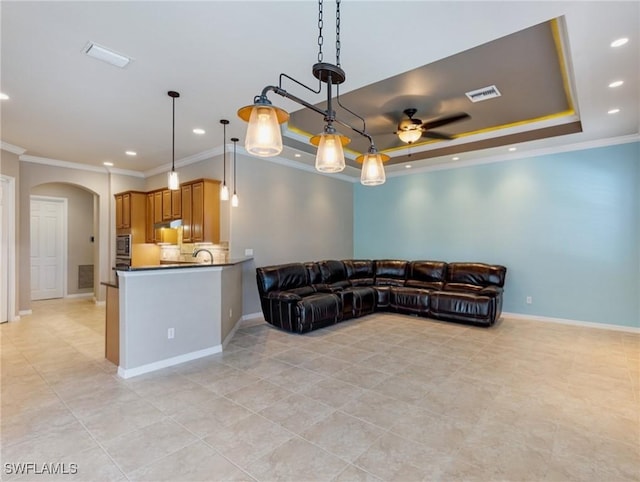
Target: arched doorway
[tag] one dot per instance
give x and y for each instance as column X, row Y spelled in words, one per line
column 63, row 253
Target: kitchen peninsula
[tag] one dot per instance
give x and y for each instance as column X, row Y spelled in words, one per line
column 171, row 313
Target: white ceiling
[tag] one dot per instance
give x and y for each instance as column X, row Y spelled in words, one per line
column 219, row 54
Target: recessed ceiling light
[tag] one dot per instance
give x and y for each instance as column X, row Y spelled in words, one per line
column 455, row 158
column 513, row 149
column 131, row 153
column 296, row 155
column 617, row 83
column 613, row 111
column 407, row 166
column 108, row 164
column 620, row 42
column 3, row 96
column 198, row 131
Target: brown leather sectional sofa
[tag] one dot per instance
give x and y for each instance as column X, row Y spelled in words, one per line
column 300, row 297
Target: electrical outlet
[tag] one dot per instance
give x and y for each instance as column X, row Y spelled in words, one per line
column 529, row 300
column 171, row 333
column 248, row 252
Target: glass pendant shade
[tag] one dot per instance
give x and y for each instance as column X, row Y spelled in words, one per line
column 234, row 200
column 263, row 133
column 410, row 136
column 372, row 168
column 224, row 193
column 172, row 181
column 330, row 155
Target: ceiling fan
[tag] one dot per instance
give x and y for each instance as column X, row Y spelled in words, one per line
column 410, row 130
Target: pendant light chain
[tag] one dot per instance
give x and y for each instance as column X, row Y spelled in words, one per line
column 320, row 25
column 224, row 154
column 338, row 33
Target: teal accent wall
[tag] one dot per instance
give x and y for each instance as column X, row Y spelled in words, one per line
column 566, row 226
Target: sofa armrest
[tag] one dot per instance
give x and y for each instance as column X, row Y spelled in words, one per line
column 490, row 291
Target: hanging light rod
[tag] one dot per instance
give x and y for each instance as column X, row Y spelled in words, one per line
column 264, row 138
column 172, row 179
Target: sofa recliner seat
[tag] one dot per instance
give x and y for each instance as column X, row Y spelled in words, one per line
column 301, row 297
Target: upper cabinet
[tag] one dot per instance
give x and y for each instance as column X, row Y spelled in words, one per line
column 201, row 211
column 131, row 214
column 196, row 203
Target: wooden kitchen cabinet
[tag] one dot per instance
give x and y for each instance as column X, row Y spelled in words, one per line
column 201, row 211
column 131, row 214
column 166, row 205
column 176, row 204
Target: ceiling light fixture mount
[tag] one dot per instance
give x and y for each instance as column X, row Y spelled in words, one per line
column 264, row 138
column 172, row 180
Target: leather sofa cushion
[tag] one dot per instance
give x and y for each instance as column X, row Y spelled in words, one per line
column 313, row 270
column 425, row 285
column 461, row 304
column 358, row 301
column 462, row 287
column 302, row 291
column 282, row 277
column 359, row 271
column 427, row 271
column 476, row 274
column 332, row 271
column 389, row 272
column 319, row 310
column 409, row 300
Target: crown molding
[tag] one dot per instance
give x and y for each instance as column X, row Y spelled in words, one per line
column 5, row 146
column 578, row 146
column 185, row 161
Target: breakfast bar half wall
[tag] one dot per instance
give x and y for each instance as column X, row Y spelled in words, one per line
column 170, row 314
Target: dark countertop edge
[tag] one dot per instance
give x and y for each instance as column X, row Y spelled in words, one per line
column 231, row 262
column 111, row 283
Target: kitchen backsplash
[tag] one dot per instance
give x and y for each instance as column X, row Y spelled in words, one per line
column 184, row 251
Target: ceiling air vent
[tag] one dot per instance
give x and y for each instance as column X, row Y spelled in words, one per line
column 106, row 55
column 483, row 94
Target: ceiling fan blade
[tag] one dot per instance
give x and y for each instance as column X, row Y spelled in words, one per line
column 436, row 135
column 444, row 120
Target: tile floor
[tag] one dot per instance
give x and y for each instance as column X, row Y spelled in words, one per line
column 385, row 397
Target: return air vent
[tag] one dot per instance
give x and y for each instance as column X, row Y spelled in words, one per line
column 483, row 94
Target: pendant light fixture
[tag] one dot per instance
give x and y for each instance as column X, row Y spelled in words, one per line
column 224, row 190
column 372, row 173
column 172, row 180
column 264, row 137
column 234, row 198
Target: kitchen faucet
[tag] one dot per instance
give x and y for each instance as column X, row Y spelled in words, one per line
column 198, row 250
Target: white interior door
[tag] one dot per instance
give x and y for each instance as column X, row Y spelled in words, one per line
column 47, row 247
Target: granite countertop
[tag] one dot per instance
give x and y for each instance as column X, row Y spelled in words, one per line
column 183, row 265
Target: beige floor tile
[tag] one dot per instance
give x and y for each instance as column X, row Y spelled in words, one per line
column 343, row 435
column 395, row 458
column 296, row 412
column 196, row 462
column 120, row 418
column 355, row 474
column 521, row 400
column 297, row 460
column 332, row 392
column 248, row 439
column 139, row 448
column 210, row 416
column 259, row 395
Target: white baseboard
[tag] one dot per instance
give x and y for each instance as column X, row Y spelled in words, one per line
column 25, row 312
column 168, row 362
column 229, row 336
column 80, row 295
column 99, row 303
column 251, row 316
column 565, row 321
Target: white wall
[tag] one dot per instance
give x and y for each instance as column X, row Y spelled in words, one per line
column 288, row 215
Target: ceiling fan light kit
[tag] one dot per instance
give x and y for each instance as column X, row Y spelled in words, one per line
column 410, row 129
column 264, row 138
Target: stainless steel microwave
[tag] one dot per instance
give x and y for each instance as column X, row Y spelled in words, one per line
column 123, row 246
